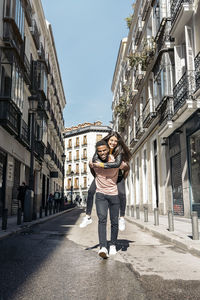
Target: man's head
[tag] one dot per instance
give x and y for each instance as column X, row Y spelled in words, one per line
column 102, row 150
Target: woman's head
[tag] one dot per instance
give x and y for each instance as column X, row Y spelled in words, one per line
column 116, row 143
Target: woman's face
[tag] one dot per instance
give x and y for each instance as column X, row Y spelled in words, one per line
column 112, row 142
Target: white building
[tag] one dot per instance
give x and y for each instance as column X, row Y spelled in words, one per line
column 79, row 149
column 156, row 104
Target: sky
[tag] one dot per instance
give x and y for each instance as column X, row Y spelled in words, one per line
column 87, row 35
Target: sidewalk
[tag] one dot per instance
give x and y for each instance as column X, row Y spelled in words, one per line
column 181, row 236
column 13, row 228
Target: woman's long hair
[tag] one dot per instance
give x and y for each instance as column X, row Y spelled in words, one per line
column 121, row 147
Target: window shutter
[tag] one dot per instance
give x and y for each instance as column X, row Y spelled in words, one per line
column 189, row 49
column 178, row 62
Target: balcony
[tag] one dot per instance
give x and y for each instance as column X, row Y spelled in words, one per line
column 84, row 172
column 139, row 127
column 39, row 149
column 138, row 31
column 149, row 113
column 181, row 12
column 10, row 116
column 47, row 155
column 145, row 9
column 84, row 157
column 35, row 34
column 139, row 76
column 76, row 158
column 197, row 71
column 28, row 12
column 162, row 33
column 11, row 39
column 184, row 89
column 77, row 145
column 84, row 144
column 24, row 133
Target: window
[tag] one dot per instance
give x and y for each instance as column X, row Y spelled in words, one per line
column 99, row 137
column 77, row 141
column 11, row 82
column 69, row 143
column 85, row 140
column 70, row 155
column 77, row 168
column 14, row 9
column 85, row 182
column 77, row 154
column 69, row 169
column 76, row 183
column 69, row 183
column 85, row 167
column 84, row 153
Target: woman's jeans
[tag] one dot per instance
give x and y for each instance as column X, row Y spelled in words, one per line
column 121, row 195
column 103, row 203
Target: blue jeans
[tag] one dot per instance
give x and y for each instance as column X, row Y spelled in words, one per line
column 103, row 203
column 121, row 194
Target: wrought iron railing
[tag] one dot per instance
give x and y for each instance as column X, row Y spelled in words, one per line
column 183, row 89
column 175, row 7
column 166, row 109
column 25, row 132
column 197, row 70
column 35, row 34
column 10, row 116
column 149, row 112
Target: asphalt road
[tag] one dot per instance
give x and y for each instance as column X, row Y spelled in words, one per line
column 43, row 263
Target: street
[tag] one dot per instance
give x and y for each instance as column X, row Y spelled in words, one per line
column 58, row 260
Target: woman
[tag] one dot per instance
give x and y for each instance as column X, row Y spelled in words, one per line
column 121, row 153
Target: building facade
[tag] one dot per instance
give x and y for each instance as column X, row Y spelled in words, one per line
column 80, row 147
column 156, row 91
column 31, row 104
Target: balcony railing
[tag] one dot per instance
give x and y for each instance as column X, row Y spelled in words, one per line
column 76, row 158
column 138, row 30
column 139, row 75
column 149, row 112
column 197, row 70
column 139, row 127
column 176, row 6
column 183, row 89
column 39, row 149
column 162, row 33
column 145, row 9
column 165, row 109
column 84, row 156
column 28, row 12
column 10, row 116
column 25, row 133
column 35, row 34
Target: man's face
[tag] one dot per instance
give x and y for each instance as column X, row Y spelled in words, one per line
column 102, row 152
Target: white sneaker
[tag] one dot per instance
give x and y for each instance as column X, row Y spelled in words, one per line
column 112, row 250
column 85, row 222
column 121, row 224
column 103, row 252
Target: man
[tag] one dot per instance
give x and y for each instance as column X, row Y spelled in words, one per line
column 21, row 194
column 106, row 198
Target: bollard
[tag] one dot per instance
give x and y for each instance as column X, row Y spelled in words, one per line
column 156, row 216
column 145, row 214
column 171, row 220
column 132, row 210
column 46, row 210
column 127, row 211
column 19, row 216
column 137, row 212
column 40, row 212
column 4, row 218
column 195, row 225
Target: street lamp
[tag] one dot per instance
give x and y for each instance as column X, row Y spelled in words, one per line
column 72, row 174
column 63, row 179
column 29, row 205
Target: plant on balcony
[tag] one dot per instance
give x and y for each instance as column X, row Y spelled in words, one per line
column 129, row 21
column 142, row 57
column 121, row 110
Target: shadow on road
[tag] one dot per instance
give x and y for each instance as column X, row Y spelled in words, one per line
column 23, row 254
column 121, row 245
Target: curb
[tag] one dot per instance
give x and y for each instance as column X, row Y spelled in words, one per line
column 167, row 236
column 5, row 233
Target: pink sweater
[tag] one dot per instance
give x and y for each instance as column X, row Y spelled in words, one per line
column 106, row 180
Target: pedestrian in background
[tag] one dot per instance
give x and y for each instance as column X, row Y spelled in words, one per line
column 21, row 194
